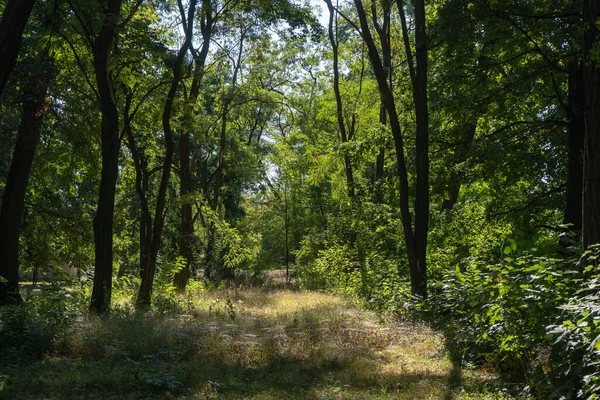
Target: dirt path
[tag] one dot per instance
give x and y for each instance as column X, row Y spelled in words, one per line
column 247, row 344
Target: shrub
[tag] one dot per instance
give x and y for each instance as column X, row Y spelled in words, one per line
column 28, row 330
column 498, row 313
column 577, row 343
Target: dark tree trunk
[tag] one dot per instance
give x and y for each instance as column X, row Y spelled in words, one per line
column 387, row 99
column 34, row 109
column 422, row 152
column 145, row 292
column 416, row 241
column 142, row 179
column 591, row 158
column 186, row 228
column 460, row 156
column 14, row 18
column 380, row 162
column 346, row 133
column 383, row 31
column 103, row 221
column 187, row 238
column 576, row 131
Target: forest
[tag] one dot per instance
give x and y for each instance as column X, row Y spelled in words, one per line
column 423, row 173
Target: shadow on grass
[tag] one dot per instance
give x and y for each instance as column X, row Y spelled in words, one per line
column 285, row 379
column 273, row 346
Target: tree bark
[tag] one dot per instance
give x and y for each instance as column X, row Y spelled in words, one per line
column 142, row 179
column 14, row 19
column 380, row 162
column 591, row 158
column 576, row 132
column 422, row 152
column 149, row 269
column 103, row 221
column 34, row 109
column 186, row 227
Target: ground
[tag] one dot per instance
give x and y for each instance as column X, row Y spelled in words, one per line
column 245, row 344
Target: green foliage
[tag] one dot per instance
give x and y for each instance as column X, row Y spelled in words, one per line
column 576, row 336
column 499, row 120
column 501, row 314
column 334, row 269
column 29, row 330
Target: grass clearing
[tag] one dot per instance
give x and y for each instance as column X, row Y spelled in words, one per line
column 244, row 344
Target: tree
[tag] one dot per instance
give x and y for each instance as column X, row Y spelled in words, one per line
column 150, row 258
column 14, row 18
column 34, row 107
column 36, row 71
column 591, row 157
column 415, row 237
column 186, row 230
column 103, row 221
column 347, row 131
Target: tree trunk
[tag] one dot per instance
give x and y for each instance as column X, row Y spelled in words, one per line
column 576, row 131
column 186, row 228
column 142, row 180
column 34, row 109
column 187, row 238
column 386, row 49
column 103, row 221
column 228, row 98
column 591, row 158
column 380, row 162
column 416, row 242
column 210, row 255
column 145, row 292
column 387, row 99
column 345, row 133
column 422, row 144
column 14, row 18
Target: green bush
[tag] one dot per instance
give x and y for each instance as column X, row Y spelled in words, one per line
column 28, row 330
column 333, row 269
column 498, row 314
column 577, row 343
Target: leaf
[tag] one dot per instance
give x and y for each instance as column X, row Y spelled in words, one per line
column 458, row 273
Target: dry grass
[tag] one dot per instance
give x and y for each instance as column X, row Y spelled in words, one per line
column 248, row 344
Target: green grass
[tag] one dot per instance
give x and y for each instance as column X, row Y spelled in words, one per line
column 246, row 344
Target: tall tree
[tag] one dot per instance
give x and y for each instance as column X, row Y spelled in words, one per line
column 103, row 221
column 591, row 81
column 346, row 130
column 576, row 133
column 150, row 259
column 419, row 85
column 14, row 18
column 34, row 108
column 415, row 236
column 186, row 228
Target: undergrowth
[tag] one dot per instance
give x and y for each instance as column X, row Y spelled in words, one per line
column 533, row 321
column 220, row 344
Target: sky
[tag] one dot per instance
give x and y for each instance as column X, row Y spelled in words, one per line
column 320, row 10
